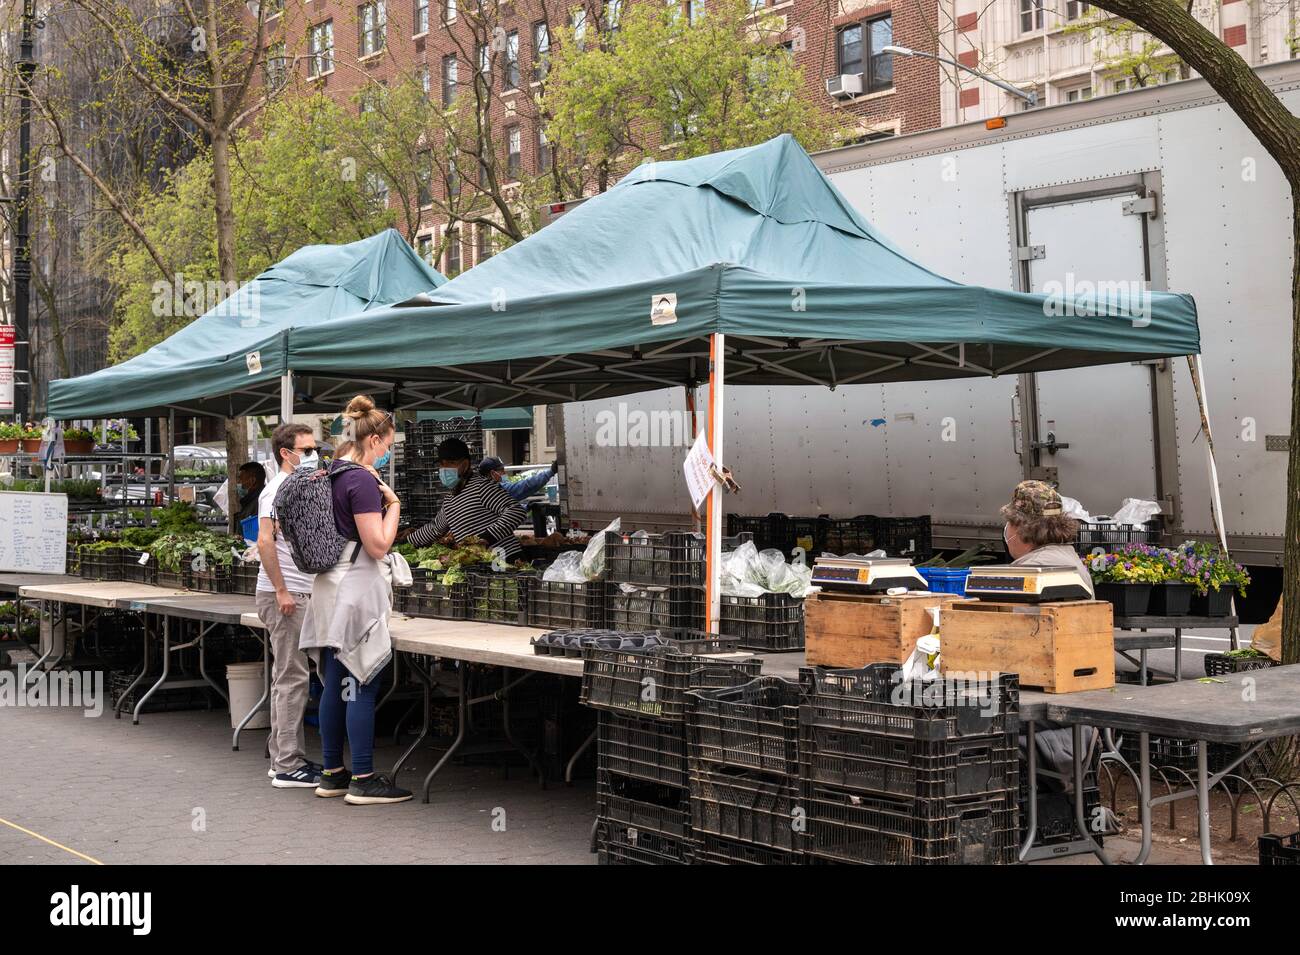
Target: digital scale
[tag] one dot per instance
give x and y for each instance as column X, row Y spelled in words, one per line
column 875, row 575
column 1004, row 582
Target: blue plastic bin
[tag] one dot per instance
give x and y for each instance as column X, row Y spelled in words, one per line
column 248, row 527
column 945, row 580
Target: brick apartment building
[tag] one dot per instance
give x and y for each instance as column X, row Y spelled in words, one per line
column 341, row 45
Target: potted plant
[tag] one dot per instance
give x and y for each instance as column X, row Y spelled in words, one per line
column 120, row 432
column 1215, row 577
column 10, row 434
column 1126, row 580
column 78, row 441
column 1172, row 596
column 30, row 438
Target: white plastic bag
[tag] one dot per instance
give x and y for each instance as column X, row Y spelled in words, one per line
column 791, row 579
column 923, row 664
column 1072, row 508
column 567, row 569
column 1135, row 512
column 593, row 558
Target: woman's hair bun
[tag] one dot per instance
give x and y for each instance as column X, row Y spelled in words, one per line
column 360, row 405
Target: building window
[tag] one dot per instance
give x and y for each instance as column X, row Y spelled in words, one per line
column 377, row 187
column 425, row 81
column 274, row 8
column 613, row 10
column 1121, row 84
column 424, row 247
column 453, row 177
column 512, row 152
column 372, row 21
column 756, row 5
column 421, row 17
column 277, row 66
column 448, row 79
column 860, row 50
column 485, row 62
column 541, row 51
column 1074, row 10
column 512, row 59
column 1078, row 94
column 448, row 11
column 1031, row 15
column 485, row 244
column 579, row 23
column 453, row 251
column 695, row 10
column 544, row 151
column 424, row 177
column 1040, row 92
column 320, row 49
column 368, row 98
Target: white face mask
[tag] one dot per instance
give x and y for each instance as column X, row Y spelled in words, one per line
column 308, row 460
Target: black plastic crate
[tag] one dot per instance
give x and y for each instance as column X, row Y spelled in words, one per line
column 858, row 828
column 852, row 535
column 136, row 572
column 72, row 562
column 768, row 622
column 894, row 766
column 243, row 577
column 214, row 580
column 101, row 565
column 652, row 682
column 172, row 579
column 650, row 607
column 500, row 596
column 429, row 597
column 905, row 536
column 1056, row 815
column 675, row 559
column 167, row 699
column 871, row 699
column 708, row 849
column 1279, row 850
column 807, row 534
column 643, row 749
column 1219, row 664
column 643, row 805
column 747, row 806
column 619, row 844
column 1107, row 536
column 767, row 531
column 753, row 726
column 556, row 604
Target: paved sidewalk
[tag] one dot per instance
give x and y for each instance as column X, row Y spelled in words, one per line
column 172, row 791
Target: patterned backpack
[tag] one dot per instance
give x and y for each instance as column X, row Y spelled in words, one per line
column 304, row 507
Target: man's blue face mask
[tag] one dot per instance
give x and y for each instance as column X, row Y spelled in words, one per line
column 449, row 477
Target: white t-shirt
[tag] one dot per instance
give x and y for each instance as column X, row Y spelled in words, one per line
column 295, row 581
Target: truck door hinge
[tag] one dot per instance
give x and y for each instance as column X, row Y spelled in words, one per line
column 1027, row 252
column 1146, row 206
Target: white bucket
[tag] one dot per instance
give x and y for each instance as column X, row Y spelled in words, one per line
column 245, row 689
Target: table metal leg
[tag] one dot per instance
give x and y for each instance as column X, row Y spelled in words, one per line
column 506, row 687
column 1144, row 796
column 144, row 669
column 1032, row 759
column 167, row 664
column 462, row 718
column 573, row 760
column 426, row 683
column 266, row 691
column 203, row 652
column 1142, row 676
column 1080, row 820
column 1178, row 654
column 1203, row 799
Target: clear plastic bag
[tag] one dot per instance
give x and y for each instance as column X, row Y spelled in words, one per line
column 1135, row 513
column 593, row 558
column 567, row 569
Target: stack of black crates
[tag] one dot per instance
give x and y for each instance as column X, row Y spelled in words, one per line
column 896, row 536
column 417, row 469
column 743, row 752
column 642, row 775
column 655, row 581
column 909, row 773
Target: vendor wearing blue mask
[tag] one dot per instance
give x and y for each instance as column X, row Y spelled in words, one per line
column 252, row 481
column 476, row 507
column 524, row 487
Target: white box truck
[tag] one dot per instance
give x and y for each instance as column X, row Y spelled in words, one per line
column 1161, row 185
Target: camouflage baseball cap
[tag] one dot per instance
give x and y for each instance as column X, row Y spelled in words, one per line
column 1032, row 500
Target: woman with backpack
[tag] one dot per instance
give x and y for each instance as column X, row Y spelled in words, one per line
column 347, row 620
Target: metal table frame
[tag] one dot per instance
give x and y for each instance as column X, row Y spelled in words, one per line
column 1152, row 641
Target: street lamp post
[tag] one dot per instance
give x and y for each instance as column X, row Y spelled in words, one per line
column 1030, row 97
column 22, row 252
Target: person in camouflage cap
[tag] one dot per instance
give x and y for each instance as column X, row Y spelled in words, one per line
column 1038, row 533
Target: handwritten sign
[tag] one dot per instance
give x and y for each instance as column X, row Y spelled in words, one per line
column 33, row 532
column 699, row 470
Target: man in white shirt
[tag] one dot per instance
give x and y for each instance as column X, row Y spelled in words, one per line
column 283, row 592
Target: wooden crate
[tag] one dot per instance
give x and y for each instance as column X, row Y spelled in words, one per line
column 852, row 630
column 1059, row 648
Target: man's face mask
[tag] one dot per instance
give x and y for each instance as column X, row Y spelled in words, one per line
column 449, row 477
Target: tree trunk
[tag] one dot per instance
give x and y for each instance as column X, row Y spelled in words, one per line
column 236, row 428
column 1291, row 551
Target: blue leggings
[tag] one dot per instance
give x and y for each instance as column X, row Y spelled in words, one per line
column 353, row 717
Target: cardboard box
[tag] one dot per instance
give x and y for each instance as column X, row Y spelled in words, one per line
column 1057, row 647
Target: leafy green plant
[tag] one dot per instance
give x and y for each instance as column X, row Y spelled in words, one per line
column 10, row 431
column 178, row 517
column 79, row 489
column 174, row 551
column 77, row 434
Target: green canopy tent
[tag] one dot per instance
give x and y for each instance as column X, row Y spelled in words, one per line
column 743, row 267
column 230, row 360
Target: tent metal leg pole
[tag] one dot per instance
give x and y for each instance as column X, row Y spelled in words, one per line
column 1203, row 403
column 717, row 403
column 286, row 397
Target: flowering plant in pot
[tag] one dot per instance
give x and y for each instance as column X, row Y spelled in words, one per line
column 1126, row 580
column 1171, row 596
column 1215, row 577
column 10, row 435
column 78, row 441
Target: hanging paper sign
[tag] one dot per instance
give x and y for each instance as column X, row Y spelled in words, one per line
column 699, row 470
column 663, row 308
column 7, row 339
column 254, row 362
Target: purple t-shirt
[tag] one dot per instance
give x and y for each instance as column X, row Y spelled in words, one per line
column 356, row 492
